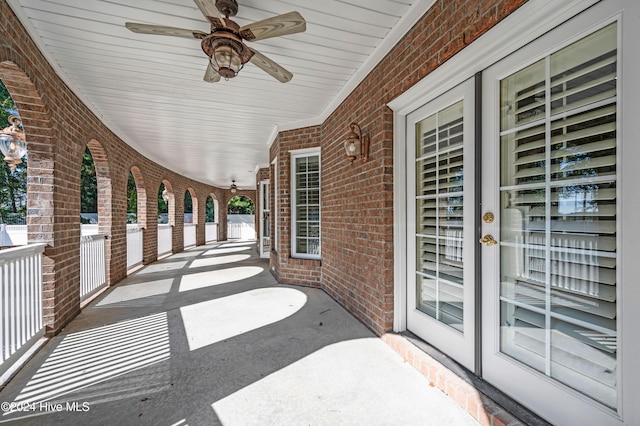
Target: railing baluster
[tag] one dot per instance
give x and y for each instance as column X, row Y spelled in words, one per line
column 134, row 246
column 92, row 265
column 20, row 301
column 211, row 232
column 165, row 239
column 189, row 235
column 4, row 329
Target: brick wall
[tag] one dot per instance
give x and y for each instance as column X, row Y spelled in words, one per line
column 357, row 216
column 357, row 200
column 58, row 127
column 288, row 269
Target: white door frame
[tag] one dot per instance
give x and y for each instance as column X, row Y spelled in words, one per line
column 544, row 395
column 460, row 346
column 264, row 207
column 525, row 25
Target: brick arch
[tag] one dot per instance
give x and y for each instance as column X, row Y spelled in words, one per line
column 105, row 197
column 216, row 206
column 141, row 190
column 194, row 204
column 171, row 208
column 104, row 180
column 41, row 208
column 251, row 195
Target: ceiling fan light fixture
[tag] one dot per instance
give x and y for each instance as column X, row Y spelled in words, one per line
column 226, row 52
column 226, row 60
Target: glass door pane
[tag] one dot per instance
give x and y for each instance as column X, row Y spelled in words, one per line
column 439, row 216
column 558, row 204
column 440, row 223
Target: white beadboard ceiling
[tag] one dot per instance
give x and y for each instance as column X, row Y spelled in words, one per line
column 149, row 89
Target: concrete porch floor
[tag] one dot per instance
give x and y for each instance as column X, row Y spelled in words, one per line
column 208, row 337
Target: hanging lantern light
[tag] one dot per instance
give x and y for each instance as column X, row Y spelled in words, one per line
column 357, row 144
column 234, row 187
column 13, row 143
column 227, row 54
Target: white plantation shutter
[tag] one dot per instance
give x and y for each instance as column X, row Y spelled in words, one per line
column 305, row 180
column 439, row 242
column 558, row 229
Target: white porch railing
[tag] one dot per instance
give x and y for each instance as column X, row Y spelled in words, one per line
column 165, row 239
column 210, row 232
column 89, row 229
column 189, row 235
column 13, row 235
column 134, row 245
column 243, row 231
column 93, row 265
column 20, row 301
column 16, row 235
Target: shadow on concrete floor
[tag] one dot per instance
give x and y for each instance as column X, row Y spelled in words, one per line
column 208, row 337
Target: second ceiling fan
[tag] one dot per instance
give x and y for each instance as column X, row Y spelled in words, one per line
column 224, row 44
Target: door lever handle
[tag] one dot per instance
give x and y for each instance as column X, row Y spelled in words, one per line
column 488, row 240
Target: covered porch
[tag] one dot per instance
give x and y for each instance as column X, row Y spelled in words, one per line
column 459, row 176
column 207, row 337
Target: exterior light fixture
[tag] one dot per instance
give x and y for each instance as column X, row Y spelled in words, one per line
column 357, row 144
column 165, row 196
column 233, row 187
column 13, row 143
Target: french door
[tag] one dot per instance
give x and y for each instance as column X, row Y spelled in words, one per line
column 552, row 317
column 550, row 178
column 440, row 277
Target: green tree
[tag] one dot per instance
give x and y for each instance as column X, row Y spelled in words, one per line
column 210, row 210
column 13, row 186
column 88, row 184
column 188, row 202
column 132, row 200
column 239, row 204
column 188, row 207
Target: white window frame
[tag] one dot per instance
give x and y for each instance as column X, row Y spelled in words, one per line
column 274, row 241
column 295, row 154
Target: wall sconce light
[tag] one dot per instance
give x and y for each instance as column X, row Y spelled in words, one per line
column 356, row 144
column 233, row 187
column 13, row 143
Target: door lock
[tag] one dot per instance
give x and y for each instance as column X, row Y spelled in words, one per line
column 488, row 240
column 488, row 217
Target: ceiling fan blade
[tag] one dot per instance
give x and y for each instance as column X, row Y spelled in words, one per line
column 211, row 75
column 273, row 69
column 211, row 12
column 289, row 23
column 162, row 30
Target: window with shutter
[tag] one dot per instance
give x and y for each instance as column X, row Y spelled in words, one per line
column 305, row 180
column 439, row 216
column 558, row 215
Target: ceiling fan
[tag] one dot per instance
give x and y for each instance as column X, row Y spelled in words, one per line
column 224, row 45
